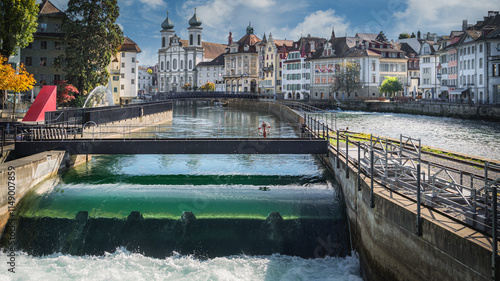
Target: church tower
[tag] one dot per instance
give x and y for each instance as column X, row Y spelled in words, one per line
column 167, row 32
column 194, row 31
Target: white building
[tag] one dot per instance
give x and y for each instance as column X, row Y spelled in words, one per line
column 492, row 49
column 212, row 71
column 124, row 73
column 428, row 70
column 177, row 59
column 145, row 81
column 296, row 76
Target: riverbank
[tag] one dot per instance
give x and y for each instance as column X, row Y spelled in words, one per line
column 439, row 109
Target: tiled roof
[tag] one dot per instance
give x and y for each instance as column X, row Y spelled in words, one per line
column 249, row 40
column 129, row 46
column 47, row 8
column 212, row 50
column 367, row 36
column 288, row 43
column 217, row 61
column 474, row 34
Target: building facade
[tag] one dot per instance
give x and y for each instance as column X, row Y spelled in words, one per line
column 212, row 72
column 40, row 57
column 144, row 81
column 242, row 63
column 271, row 55
column 123, row 69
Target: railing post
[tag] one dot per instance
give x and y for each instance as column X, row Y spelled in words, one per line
column 3, row 140
column 372, row 196
column 327, row 134
column 419, row 219
column 346, row 156
column 494, row 232
column 359, row 165
column 338, row 148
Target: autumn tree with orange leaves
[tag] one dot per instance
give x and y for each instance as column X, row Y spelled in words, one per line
column 14, row 80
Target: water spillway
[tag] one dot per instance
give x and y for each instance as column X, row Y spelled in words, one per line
column 189, row 217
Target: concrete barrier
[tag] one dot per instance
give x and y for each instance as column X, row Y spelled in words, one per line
column 18, row 177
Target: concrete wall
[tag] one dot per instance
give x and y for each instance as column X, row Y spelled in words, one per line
column 29, row 171
column 465, row 111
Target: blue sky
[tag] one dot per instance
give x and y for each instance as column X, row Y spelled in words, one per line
column 288, row 19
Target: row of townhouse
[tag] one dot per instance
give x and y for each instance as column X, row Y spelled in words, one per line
column 41, row 57
column 464, row 65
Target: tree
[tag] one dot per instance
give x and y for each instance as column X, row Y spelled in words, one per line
column 404, row 36
column 346, row 77
column 18, row 80
column 66, row 93
column 413, row 35
column 391, row 85
column 209, row 87
column 186, row 86
column 149, row 71
column 18, row 22
column 93, row 39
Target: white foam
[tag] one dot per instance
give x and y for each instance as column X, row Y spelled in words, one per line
column 123, row 265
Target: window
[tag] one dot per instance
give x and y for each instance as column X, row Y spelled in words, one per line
column 161, row 65
column 182, row 64
column 123, row 65
column 57, row 27
column 43, row 45
column 168, row 65
column 174, row 63
column 373, row 66
column 199, row 39
column 43, row 61
column 163, row 42
column 481, row 61
column 133, row 59
column 191, row 39
column 191, row 64
column 115, row 89
column 123, row 75
column 132, row 81
column 116, row 78
column 43, row 27
column 123, row 87
column 57, row 45
column 28, row 61
column 133, row 69
column 123, row 55
column 480, row 79
column 481, row 48
column 57, row 77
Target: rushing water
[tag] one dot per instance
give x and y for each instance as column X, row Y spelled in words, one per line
column 233, row 237
column 473, row 137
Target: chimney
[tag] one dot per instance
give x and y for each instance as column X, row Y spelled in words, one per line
column 464, row 25
column 418, row 34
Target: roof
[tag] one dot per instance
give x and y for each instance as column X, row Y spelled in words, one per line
column 288, row 43
column 48, row 9
column 474, row 34
column 212, row 50
column 249, row 40
column 367, row 36
column 217, row 61
column 129, row 46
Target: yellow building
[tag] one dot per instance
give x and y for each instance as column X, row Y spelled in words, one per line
column 271, row 55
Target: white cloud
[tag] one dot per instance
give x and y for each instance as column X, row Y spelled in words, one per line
column 320, row 24
column 439, row 16
column 148, row 56
column 155, row 4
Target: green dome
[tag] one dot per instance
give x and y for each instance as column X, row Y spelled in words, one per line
column 167, row 24
column 195, row 20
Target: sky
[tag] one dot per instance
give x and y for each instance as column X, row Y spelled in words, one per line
column 141, row 20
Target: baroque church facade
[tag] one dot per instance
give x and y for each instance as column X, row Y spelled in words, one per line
column 177, row 59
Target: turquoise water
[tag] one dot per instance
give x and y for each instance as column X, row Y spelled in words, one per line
column 230, row 196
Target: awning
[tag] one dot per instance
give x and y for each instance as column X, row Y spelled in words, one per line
column 458, row 91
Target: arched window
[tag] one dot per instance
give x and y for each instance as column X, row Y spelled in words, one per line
column 163, row 42
column 199, row 40
column 161, row 65
column 182, row 64
column 191, row 39
column 174, row 64
column 168, row 65
column 190, row 64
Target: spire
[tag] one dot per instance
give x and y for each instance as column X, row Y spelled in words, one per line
column 249, row 28
column 264, row 39
column 333, row 32
column 167, row 24
column 195, row 20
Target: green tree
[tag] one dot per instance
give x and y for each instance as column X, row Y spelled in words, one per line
column 93, row 39
column 18, row 22
column 391, row 85
column 404, row 36
column 413, row 35
column 149, row 71
column 346, row 77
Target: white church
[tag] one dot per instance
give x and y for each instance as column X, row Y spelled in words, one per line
column 177, row 58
